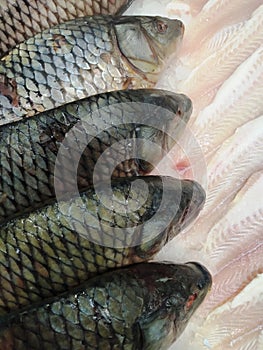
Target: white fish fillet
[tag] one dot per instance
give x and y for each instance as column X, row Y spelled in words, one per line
column 236, row 102
column 237, row 159
column 234, row 277
column 236, row 240
column 209, row 47
column 214, row 15
column 218, row 66
column 195, row 5
column 242, row 225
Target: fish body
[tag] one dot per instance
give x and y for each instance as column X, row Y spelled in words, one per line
column 141, row 307
column 20, row 19
column 79, row 133
column 52, row 249
column 84, row 57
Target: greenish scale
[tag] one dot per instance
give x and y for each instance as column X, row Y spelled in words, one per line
column 29, row 149
column 118, row 310
column 55, row 248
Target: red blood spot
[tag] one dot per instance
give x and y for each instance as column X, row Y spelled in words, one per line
column 182, row 165
column 191, row 300
column 183, row 168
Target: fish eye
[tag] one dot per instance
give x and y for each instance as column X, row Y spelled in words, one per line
column 161, row 27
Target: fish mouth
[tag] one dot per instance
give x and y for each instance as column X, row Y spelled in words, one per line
column 182, row 29
column 205, row 282
column 171, row 130
column 183, row 108
column 196, row 204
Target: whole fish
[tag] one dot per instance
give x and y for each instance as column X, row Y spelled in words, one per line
column 81, row 131
column 21, row 19
column 50, row 250
column 141, row 307
column 84, row 57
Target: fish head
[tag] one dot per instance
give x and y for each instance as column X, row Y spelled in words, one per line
column 146, row 41
column 173, row 293
column 192, row 199
column 172, row 205
column 162, row 122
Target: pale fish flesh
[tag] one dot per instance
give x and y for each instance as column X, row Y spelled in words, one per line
column 227, row 237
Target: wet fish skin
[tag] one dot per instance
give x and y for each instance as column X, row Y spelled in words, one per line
column 29, row 148
column 21, row 19
column 141, row 307
column 57, row 247
column 84, row 57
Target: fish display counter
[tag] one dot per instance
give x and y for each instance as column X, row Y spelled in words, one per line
column 181, row 82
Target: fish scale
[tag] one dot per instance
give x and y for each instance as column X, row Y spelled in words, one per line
column 21, row 19
column 56, row 247
column 29, row 148
column 119, row 310
column 81, row 58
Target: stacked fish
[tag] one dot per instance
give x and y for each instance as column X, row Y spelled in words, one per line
column 81, row 127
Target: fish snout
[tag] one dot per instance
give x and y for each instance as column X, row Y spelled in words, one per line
column 180, row 104
column 205, row 281
column 181, row 27
column 196, row 202
column 185, row 106
column 181, row 107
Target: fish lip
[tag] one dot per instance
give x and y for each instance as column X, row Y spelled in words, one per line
column 187, row 105
column 180, row 104
column 196, row 203
column 206, row 282
column 182, row 108
column 199, row 195
column 182, row 28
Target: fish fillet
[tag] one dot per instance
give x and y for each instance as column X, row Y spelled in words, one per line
column 221, row 62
